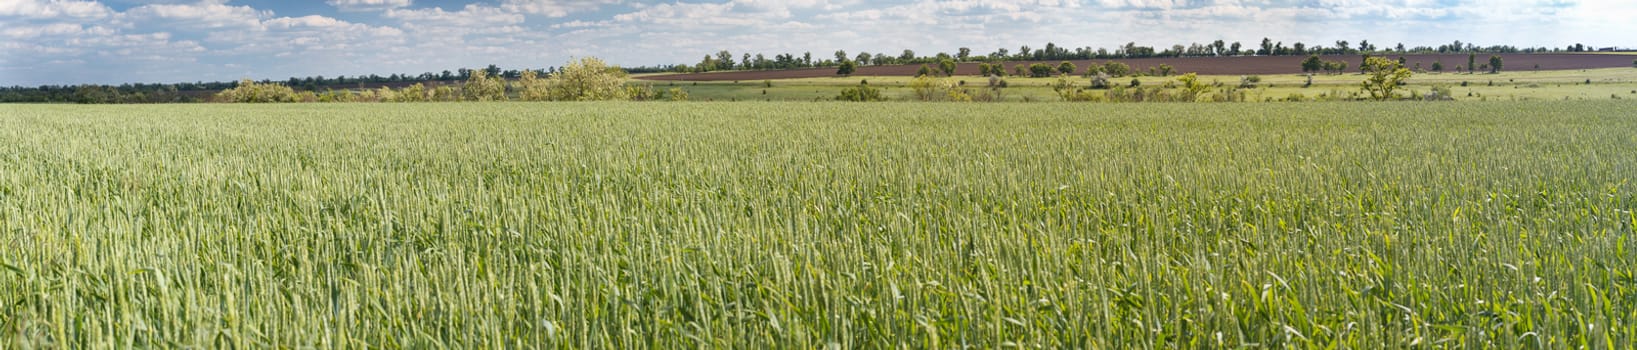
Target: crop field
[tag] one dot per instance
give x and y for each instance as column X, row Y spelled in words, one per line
column 819, row 225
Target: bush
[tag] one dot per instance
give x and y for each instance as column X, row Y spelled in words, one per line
column 1249, row 81
column 1116, row 69
column 252, row 92
column 588, row 79
column 1041, row 70
column 926, row 88
column 1100, row 81
column 860, row 93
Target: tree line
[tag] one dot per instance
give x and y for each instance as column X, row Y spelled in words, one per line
column 319, row 85
column 725, row 60
column 585, row 79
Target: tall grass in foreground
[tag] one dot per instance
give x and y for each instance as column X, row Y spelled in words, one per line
column 817, row 225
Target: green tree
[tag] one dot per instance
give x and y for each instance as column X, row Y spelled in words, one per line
column 1116, row 69
column 531, row 88
column 1041, row 70
column 846, row 68
column 924, row 71
column 947, row 66
column 1384, row 76
column 1166, row 70
column 1438, row 66
column 1312, row 64
column 1471, row 62
column 588, row 79
column 1066, row 67
column 480, row 86
column 1494, row 64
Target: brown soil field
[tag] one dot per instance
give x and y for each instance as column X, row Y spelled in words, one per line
column 1241, row 65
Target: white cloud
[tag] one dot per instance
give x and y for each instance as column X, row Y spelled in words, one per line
column 472, row 16
column 54, row 30
column 554, row 8
column 205, row 14
column 368, row 5
column 53, row 9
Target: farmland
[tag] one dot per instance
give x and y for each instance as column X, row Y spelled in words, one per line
column 806, row 225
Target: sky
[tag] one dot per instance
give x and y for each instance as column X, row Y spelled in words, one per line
column 118, row 41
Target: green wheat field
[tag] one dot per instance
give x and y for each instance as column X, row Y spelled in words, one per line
column 819, row 225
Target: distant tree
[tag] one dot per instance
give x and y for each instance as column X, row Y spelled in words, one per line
column 1312, row 64
column 531, row 88
column 588, row 79
column 947, row 66
column 1300, row 48
column 1495, row 64
column 1116, row 69
column 1220, row 47
column 724, row 60
column 1364, row 46
column 1041, row 70
column 1020, row 70
column 1384, row 76
column 492, row 70
column 1267, row 47
column 1066, row 67
column 1234, row 49
column 1438, row 66
column 963, row 54
column 841, row 55
column 1400, row 47
column 1342, row 45
column 1166, row 70
column 863, row 58
column 846, row 68
column 907, row 55
column 481, row 86
column 247, row 91
column 924, row 71
column 983, row 68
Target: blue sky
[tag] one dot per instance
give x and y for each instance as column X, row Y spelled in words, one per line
column 115, row 41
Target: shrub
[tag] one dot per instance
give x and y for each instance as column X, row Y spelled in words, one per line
column 1100, row 81
column 588, row 79
column 860, row 93
column 252, row 92
column 926, row 88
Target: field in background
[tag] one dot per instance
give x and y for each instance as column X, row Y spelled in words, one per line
column 1527, row 85
column 1234, row 65
column 799, row 225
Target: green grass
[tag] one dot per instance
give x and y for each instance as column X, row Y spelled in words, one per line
column 805, row 225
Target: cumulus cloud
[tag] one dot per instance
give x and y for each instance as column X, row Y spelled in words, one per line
column 205, row 14
column 368, row 5
column 554, row 8
column 47, row 9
